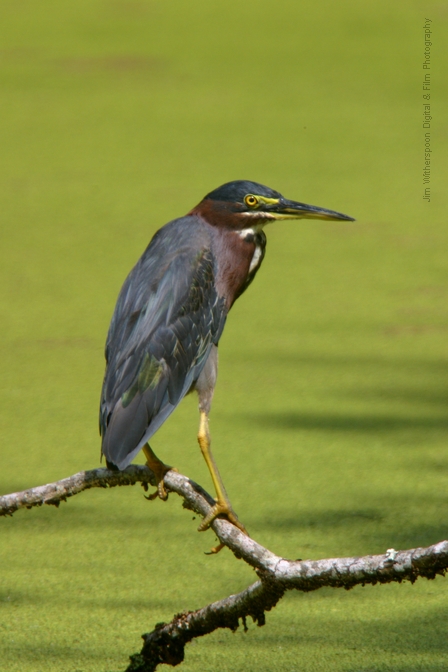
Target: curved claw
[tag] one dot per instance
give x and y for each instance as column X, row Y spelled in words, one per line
column 161, row 492
column 215, row 549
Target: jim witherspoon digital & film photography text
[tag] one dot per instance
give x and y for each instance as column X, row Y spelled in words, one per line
column 427, row 110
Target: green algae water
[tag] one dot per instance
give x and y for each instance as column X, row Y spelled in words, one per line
column 329, row 421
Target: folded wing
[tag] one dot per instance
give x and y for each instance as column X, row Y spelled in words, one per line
column 168, row 316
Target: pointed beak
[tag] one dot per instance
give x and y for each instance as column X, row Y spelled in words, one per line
column 285, row 209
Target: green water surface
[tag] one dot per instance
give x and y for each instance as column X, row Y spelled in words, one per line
column 329, row 421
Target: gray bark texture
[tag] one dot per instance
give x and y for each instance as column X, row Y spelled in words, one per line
column 166, row 643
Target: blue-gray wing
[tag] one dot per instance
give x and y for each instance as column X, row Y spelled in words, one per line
column 168, row 316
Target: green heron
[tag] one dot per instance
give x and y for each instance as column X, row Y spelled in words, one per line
column 170, row 314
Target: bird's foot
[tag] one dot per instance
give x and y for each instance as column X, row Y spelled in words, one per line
column 222, row 508
column 159, row 470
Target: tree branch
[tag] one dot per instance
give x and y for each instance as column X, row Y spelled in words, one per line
column 60, row 491
column 166, row 643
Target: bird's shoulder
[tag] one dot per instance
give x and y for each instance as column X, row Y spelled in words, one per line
column 160, row 283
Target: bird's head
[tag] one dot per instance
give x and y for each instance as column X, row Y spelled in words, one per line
column 242, row 204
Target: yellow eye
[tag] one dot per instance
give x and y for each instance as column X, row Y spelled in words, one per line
column 251, row 200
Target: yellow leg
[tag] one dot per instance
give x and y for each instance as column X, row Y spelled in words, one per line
column 159, row 469
column 223, row 505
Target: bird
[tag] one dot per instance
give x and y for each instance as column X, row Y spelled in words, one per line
column 163, row 338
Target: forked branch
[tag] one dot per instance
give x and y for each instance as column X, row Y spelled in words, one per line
column 166, row 643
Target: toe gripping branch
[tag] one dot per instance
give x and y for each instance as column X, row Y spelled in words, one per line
column 159, row 470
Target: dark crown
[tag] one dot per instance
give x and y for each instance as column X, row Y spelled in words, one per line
column 236, row 191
